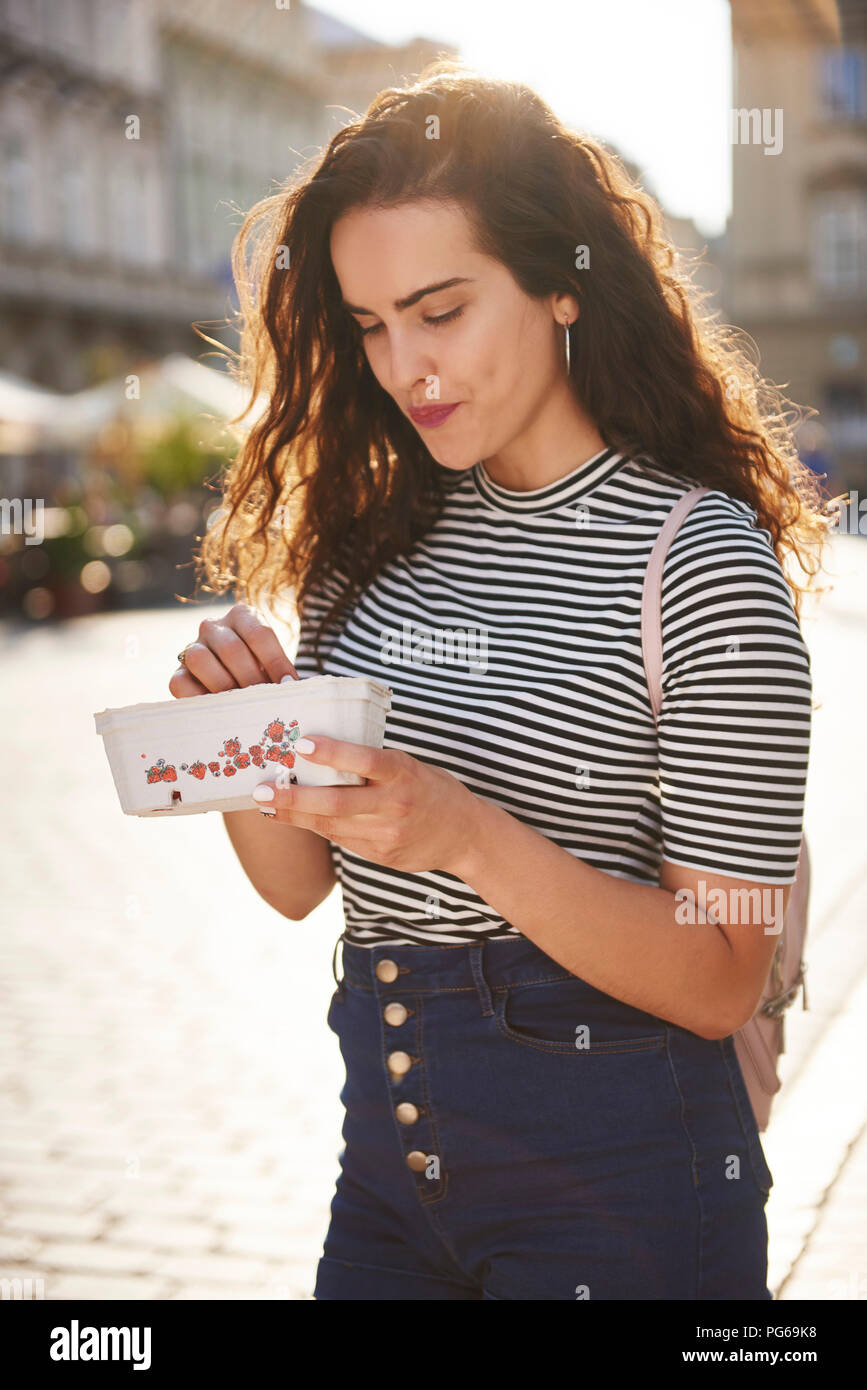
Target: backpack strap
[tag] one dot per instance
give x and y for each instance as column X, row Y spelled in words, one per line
column 759, row 1043
column 651, row 596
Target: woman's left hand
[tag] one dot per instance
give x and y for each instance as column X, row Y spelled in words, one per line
column 410, row 816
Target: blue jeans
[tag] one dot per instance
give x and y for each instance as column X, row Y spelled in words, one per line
column 513, row 1133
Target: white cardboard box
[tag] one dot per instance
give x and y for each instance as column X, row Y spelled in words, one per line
column 208, row 752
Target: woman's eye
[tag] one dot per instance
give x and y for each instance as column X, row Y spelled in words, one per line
column 447, row 318
column 443, row 318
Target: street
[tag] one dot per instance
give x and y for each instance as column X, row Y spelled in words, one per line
column 169, row 1091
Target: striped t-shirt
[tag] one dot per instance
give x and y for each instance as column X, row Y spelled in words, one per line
column 510, row 636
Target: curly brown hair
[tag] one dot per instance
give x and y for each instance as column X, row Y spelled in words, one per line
column 332, row 476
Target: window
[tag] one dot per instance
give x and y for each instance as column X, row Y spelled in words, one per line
column 843, row 84
column 846, row 417
column 115, row 35
column 16, row 190
column 840, row 241
column 72, row 189
column 126, row 210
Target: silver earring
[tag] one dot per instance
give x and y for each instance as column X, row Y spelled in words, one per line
column 567, row 326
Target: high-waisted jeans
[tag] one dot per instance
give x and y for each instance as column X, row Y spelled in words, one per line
column 512, row 1132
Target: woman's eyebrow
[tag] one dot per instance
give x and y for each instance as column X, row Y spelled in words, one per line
column 416, row 295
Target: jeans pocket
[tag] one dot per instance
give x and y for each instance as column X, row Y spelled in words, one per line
column 571, row 1018
column 761, row 1171
column 749, row 1127
column 336, row 998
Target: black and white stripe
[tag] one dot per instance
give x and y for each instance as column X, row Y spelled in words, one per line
column 549, row 715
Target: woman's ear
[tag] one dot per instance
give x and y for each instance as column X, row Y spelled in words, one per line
column 565, row 307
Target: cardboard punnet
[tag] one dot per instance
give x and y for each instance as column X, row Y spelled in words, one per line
column 208, row 752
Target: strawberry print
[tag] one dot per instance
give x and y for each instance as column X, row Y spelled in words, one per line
column 160, row 772
column 275, row 746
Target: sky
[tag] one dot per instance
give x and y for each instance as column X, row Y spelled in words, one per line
column 652, row 77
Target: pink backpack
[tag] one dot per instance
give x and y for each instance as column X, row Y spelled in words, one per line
column 759, row 1043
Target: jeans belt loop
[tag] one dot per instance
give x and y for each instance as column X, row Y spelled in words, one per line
column 337, row 943
column 477, row 967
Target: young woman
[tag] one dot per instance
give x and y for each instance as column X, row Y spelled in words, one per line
column 487, row 384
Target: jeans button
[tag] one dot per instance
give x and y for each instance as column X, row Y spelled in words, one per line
column 406, row 1112
column 399, row 1063
column 395, row 1014
column 386, row 970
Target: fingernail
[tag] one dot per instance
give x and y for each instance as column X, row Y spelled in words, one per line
column 263, row 792
column 305, row 745
column 269, row 815
column 288, row 677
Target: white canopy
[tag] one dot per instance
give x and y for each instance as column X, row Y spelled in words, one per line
column 32, row 417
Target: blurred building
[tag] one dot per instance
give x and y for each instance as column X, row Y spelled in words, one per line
column 796, row 276
column 702, row 256
column 133, row 134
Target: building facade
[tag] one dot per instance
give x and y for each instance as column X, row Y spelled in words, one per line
column 133, row 136
column 796, row 273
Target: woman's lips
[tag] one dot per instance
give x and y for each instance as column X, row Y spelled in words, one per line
column 432, row 415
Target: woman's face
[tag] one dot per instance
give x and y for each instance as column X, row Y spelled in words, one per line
column 496, row 352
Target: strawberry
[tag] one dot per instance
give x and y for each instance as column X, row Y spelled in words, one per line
column 275, row 731
column 214, row 768
column 233, row 746
column 229, row 770
column 169, row 774
column 198, row 770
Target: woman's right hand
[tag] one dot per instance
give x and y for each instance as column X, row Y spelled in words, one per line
column 231, row 652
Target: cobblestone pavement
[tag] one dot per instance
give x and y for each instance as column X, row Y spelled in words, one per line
column 169, row 1103
column 169, row 1090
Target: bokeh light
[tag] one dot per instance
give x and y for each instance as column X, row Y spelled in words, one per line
column 38, row 603
column 95, row 576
